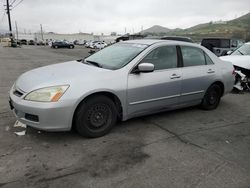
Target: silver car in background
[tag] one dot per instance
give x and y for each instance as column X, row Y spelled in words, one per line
column 122, row 81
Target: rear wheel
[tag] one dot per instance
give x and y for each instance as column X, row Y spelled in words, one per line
column 212, row 97
column 56, row 46
column 96, row 116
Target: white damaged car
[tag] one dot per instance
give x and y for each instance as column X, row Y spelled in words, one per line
column 240, row 58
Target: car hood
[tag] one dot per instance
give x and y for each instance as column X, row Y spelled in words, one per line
column 238, row 60
column 58, row 74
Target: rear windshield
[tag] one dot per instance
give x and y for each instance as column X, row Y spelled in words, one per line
column 116, row 56
column 218, row 43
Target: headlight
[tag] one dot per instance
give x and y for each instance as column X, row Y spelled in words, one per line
column 48, row 94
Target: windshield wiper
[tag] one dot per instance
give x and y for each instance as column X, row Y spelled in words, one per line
column 93, row 63
column 240, row 52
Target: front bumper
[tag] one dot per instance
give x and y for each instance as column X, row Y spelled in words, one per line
column 48, row 116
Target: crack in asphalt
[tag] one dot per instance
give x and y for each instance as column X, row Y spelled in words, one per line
column 212, row 128
column 5, row 112
column 210, row 173
column 178, row 137
column 6, row 183
column 6, row 154
column 175, row 135
column 78, row 171
column 243, row 135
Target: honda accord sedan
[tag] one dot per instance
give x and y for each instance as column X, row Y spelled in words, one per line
column 122, row 81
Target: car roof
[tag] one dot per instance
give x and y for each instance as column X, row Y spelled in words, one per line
column 142, row 41
column 154, row 41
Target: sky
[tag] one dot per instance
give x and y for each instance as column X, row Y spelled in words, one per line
column 106, row 16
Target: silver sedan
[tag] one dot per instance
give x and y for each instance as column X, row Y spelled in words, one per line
column 125, row 80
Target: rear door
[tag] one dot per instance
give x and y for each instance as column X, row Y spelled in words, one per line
column 155, row 90
column 198, row 73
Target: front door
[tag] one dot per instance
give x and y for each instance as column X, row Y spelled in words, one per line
column 148, row 92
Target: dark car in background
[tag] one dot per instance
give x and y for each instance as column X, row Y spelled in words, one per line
column 31, row 42
column 23, row 41
column 40, row 43
column 220, row 46
column 62, row 44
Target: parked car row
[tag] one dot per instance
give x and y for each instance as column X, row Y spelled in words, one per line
column 96, row 44
column 90, row 44
column 30, row 42
column 79, row 42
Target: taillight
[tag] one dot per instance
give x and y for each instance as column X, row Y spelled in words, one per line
column 233, row 72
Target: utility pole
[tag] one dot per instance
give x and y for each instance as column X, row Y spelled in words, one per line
column 8, row 12
column 16, row 31
column 41, row 31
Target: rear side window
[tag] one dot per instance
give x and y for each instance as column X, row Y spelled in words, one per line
column 234, row 43
column 208, row 59
column 192, row 56
column 210, row 43
column 225, row 43
column 164, row 57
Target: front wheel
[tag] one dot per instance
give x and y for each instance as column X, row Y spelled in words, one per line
column 212, row 97
column 96, row 116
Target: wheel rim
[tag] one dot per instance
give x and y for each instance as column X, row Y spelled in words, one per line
column 213, row 97
column 99, row 116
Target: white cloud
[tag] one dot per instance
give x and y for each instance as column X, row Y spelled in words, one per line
column 99, row 16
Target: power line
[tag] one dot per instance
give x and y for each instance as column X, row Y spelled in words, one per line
column 3, row 16
column 12, row 2
column 17, row 4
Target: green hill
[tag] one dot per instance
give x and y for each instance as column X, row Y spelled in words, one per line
column 236, row 28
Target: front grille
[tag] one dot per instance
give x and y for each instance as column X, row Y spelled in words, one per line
column 31, row 117
column 17, row 93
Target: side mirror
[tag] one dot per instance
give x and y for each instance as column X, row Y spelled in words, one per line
column 229, row 52
column 145, row 67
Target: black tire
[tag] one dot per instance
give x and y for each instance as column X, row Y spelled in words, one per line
column 212, row 97
column 56, row 47
column 96, row 116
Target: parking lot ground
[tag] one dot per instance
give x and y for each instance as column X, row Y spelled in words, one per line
column 182, row 148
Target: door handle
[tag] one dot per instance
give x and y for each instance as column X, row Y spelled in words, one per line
column 210, row 71
column 174, row 76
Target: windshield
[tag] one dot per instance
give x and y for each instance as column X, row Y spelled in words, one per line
column 116, row 56
column 243, row 50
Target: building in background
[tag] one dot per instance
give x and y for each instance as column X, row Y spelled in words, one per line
column 50, row 36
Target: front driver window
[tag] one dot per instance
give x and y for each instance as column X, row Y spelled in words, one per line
column 164, row 57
